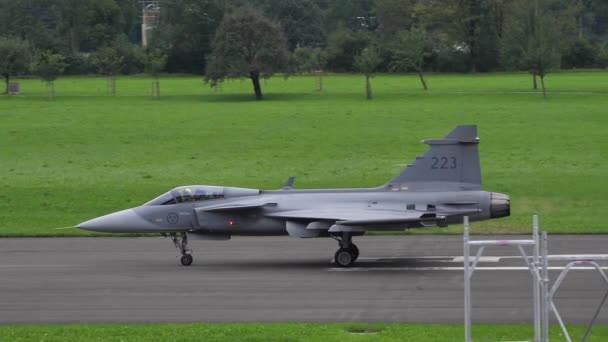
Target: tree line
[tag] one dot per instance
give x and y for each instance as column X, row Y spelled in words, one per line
column 257, row 38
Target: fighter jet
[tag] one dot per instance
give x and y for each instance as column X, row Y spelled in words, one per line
column 437, row 189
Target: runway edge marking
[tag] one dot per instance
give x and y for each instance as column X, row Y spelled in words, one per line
column 450, row 268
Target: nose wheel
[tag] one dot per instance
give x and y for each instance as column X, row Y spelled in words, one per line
column 348, row 252
column 186, row 259
column 181, row 243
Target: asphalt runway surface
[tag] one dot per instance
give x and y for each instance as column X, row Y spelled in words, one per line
column 408, row 279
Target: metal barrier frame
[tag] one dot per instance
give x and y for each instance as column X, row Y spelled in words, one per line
column 469, row 268
column 549, row 291
column 543, row 291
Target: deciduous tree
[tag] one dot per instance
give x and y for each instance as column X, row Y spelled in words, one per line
column 311, row 60
column 410, row 51
column 531, row 40
column 155, row 63
column 367, row 63
column 109, row 63
column 342, row 47
column 247, row 44
column 48, row 66
column 15, row 57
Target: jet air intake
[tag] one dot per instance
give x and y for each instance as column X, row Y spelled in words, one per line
column 500, row 205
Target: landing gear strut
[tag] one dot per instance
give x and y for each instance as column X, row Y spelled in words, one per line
column 181, row 243
column 348, row 252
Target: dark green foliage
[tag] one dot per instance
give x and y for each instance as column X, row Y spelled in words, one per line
column 342, row 47
column 247, row 44
column 310, row 59
column 38, row 22
column 120, row 57
column 355, row 15
column 78, row 64
column 156, row 61
column 301, row 20
column 133, row 56
column 186, row 31
column 48, row 66
column 394, row 16
column 467, row 35
column 108, row 61
column 105, row 21
column 480, row 28
column 602, row 60
column 367, row 62
column 15, row 56
column 580, row 54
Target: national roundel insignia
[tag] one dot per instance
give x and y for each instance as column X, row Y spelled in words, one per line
column 172, row 218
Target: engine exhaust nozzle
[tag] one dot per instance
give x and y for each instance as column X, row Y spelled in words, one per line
column 500, row 205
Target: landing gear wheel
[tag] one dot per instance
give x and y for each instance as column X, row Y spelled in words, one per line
column 355, row 250
column 186, row 260
column 181, row 243
column 344, row 257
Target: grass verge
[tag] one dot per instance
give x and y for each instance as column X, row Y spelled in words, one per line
column 282, row 332
column 87, row 154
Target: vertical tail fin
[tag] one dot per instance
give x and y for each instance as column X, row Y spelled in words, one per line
column 451, row 163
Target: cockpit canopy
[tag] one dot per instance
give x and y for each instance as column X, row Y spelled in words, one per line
column 190, row 193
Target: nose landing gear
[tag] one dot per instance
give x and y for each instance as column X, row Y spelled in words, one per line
column 186, row 259
column 348, row 252
column 181, row 243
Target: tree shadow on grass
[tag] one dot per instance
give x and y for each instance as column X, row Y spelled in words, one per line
column 282, row 97
column 243, row 97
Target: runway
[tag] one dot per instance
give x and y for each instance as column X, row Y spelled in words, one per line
column 407, row 279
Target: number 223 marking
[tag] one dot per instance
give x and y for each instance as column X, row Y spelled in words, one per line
column 443, row 163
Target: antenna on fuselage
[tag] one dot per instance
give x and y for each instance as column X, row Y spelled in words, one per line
column 289, row 183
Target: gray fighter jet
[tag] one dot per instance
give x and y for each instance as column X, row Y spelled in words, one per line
column 437, row 189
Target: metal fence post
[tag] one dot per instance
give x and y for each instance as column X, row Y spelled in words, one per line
column 536, row 281
column 467, row 282
column 545, row 289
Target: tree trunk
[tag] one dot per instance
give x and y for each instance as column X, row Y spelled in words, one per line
column 255, row 79
column 112, row 85
column 473, row 8
column 542, row 83
column 319, row 80
column 534, row 85
column 422, row 79
column 73, row 40
column 368, row 87
column 580, row 19
column 50, row 90
column 156, row 89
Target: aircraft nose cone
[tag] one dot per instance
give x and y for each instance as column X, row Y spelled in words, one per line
column 126, row 221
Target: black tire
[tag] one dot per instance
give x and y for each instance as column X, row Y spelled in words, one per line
column 355, row 250
column 344, row 257
column 186, row 260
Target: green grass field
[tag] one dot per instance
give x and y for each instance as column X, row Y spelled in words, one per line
column 86, row 154
column 283, row 332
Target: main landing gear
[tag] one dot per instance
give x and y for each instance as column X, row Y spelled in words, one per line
column 181, row 243
column 348, row 252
